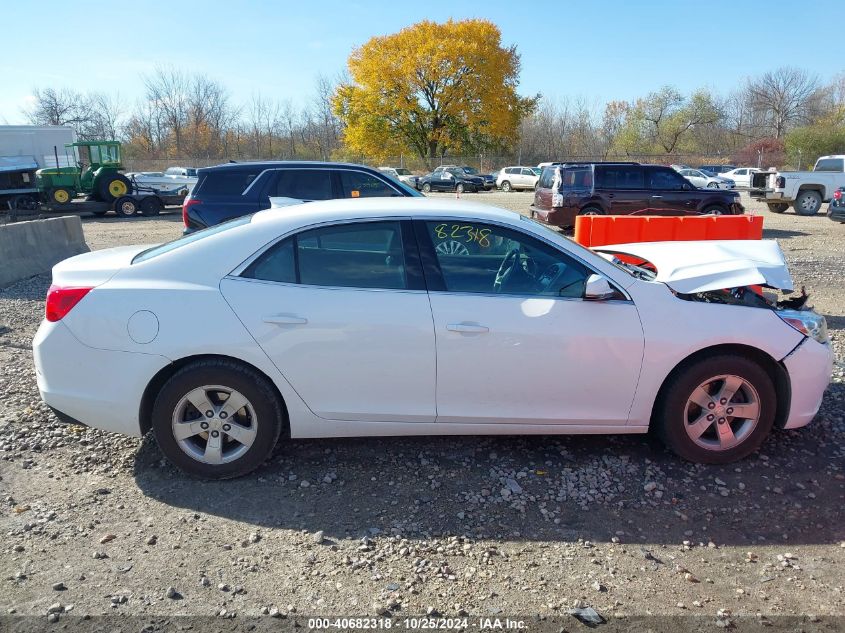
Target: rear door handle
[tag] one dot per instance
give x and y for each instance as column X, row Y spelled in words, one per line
column 285, row 319
column 467, row 327
column 657, row 196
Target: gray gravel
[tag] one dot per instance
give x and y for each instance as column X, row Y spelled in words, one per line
column 97, row 524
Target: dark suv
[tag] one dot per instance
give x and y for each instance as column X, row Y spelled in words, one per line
column 235, row 189
column 625, row 189
column 451, row 178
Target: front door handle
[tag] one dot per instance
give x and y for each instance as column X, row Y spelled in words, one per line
column 467, row 327
column 657, row 196
column 285, row 319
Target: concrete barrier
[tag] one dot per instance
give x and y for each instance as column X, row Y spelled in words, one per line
column 34, row 247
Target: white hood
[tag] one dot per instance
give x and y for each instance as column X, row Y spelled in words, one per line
column 691, row 267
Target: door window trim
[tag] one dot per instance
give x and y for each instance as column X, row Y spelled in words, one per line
column 330, row 168
column 434, row 275
column 414, row 277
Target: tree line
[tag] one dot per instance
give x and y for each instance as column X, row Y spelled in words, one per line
column 784, row 117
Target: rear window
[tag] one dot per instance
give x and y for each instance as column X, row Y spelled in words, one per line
column 161, row 249
column 227, row 183
column 830, row 164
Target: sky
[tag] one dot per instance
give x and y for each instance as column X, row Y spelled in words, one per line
column 590, row 49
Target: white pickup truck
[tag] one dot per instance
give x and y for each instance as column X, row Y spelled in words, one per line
column 804, row 190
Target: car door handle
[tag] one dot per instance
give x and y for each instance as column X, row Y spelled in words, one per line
column 467, row 327
column 657, row 196
column 285, row 319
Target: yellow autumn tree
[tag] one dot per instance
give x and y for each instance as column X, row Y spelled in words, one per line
column 432, row 87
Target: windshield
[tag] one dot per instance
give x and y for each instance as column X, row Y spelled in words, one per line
column 470, row 170
column 403, row 172
column 536, row 170
column 161, row 249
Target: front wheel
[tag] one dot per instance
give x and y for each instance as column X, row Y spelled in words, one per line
column 506, row 186
column 217, row 419
column 712, row 185
column 716, row 411
column 808, row 202
column 459, row 188
column 426, row 188
column 715, row 209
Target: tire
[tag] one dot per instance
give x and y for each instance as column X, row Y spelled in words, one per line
column 459, row 188
column 675, row 410
column 125, row 207
column 777, row 207
column 715, row 209
column 150, row 206
column 426, row 188
column 261, row 419
column 506, row 186
column 61, row 195
column 808, row 202
column 712, row 185
column 24, row 202
column 113, row 186
column 591, row 210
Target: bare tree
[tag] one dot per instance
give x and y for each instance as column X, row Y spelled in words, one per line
column 782, row 99
column 58, row 107
column 168, row 91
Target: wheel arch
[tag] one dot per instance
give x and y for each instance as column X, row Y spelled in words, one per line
column 819, row 188
column 165, row 373
column 776, row 371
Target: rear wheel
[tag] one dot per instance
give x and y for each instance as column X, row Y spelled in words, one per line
column 150, row 206
column 126, row 207
column 113, row 186
column 715, row 209
column 217, row 419
column 591, row 211
column 60, row 195
column 808, row 202
column 777, row 207
column 506, row 186
column 716, row 411
column 459, row 188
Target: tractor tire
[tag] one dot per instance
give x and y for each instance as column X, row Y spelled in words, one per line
column 150, row 206
column 777, row 207
column 126, row 207
column 113, row 186
column 60, row 195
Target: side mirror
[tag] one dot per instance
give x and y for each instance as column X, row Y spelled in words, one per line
column 598, row 288
column 687, row 187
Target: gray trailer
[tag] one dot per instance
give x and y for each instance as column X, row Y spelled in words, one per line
column 23, row 150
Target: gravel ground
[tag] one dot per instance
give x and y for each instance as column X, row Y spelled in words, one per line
column 99, row 524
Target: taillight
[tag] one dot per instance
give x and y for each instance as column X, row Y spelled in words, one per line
column 780, row 182
column 60, row 301
column 837, row 195
column 187, row 204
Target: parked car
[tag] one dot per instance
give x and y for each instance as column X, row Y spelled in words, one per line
column 836, row 208
column 235, row 189
column 401, row 174
column 806, row 191
column 181, row 172
column 489, row 179
column 706, row 181
column 516, row 178
column 342, row 318
column 717, row 169
column 741, row 175
column 162, row 183
column 625, row 189
column 451, row 178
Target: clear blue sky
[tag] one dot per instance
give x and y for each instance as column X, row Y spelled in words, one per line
column 598, row 50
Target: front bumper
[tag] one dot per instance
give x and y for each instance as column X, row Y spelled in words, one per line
column 809, row 366
column 95, row 387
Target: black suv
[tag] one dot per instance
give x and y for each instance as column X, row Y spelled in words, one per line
column 235, row 189
column 625, row 189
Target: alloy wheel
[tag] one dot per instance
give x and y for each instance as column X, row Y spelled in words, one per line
column 722, row 412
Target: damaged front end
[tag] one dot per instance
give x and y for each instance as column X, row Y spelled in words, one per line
column 732, row 272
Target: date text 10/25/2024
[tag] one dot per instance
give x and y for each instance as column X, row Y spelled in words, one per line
column 418, row 623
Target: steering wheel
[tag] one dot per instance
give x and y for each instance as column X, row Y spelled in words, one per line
column 506, row 269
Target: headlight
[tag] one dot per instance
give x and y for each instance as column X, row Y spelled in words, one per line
column 807, row 322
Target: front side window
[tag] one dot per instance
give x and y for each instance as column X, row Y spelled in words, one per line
column 620, row 177
column 665, row 179
column 360, row 255
column 357, row 184
column 488, row 259
column 304, row 184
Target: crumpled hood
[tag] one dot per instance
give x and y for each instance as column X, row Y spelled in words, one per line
column 691, row 267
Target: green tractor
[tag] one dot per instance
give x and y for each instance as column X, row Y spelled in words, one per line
column 93, row 169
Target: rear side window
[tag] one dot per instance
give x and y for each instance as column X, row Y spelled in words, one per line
column 580, row 178
column 357, row 184
column 227, row 183
column 304, row 184
column 665, row 179
column 361, row 255
column 830, row 164
column 620, row 177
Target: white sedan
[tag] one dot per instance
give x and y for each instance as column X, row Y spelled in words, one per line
column 377, row 317
column 741, row 175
